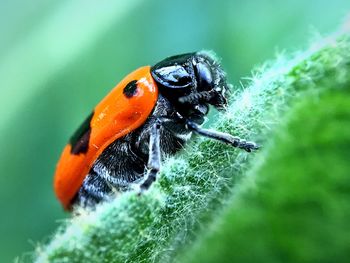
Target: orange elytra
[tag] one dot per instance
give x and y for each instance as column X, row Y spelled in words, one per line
column 123, row 110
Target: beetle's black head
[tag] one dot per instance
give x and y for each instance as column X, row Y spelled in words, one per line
column 192, row 82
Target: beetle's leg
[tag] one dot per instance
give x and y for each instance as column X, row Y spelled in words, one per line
column 154, row 158
column 223, row 137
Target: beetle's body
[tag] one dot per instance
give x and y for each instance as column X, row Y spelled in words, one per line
column 151, row 113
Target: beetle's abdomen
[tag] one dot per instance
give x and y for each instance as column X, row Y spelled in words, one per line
column 124, row 162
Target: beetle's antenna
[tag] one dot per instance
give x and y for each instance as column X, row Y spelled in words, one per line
column 196, row 97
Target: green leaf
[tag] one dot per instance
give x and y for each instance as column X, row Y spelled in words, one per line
column 298, row 209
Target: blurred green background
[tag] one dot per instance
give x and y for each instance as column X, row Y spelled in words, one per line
column 59, row 58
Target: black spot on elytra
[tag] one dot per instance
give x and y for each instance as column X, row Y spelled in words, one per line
column 130, row 89
column 81, row 137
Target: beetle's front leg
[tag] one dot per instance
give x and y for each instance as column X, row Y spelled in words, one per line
column 154, row 158
column 223, row 137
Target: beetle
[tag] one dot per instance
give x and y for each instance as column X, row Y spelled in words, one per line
column 151, row 113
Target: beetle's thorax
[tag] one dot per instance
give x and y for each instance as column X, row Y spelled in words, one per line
column 173, row 129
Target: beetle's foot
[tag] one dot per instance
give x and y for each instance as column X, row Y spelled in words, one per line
column 146, row 184
column 248, row 146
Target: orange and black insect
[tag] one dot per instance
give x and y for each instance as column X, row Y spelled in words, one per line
column 152, row 112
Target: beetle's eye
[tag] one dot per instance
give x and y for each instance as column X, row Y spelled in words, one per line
column 204, row 76
column 173, row 76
